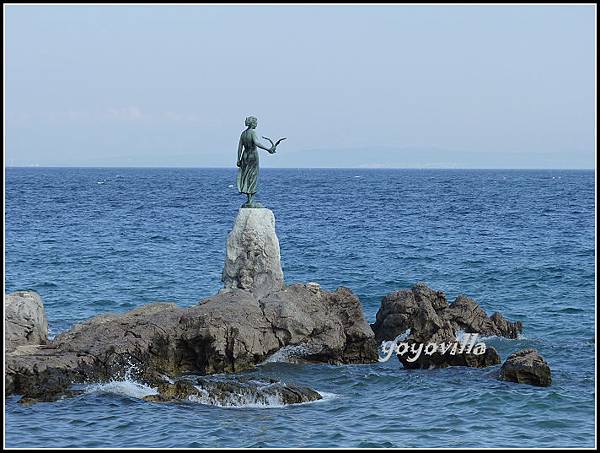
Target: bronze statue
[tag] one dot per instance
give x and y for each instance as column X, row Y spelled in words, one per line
column 247, row 161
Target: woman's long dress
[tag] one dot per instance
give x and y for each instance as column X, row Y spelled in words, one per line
column 247, row 177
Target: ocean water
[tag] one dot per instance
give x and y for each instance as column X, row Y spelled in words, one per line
column 519, row 242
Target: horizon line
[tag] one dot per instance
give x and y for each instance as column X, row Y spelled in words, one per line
column 299, row 168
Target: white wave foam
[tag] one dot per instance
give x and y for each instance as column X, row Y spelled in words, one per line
column 124, row 386
column 253, row 401
column 238, row 400
column 128, row 388
column 461, row 334
column 399, row 338
column 52, row 333
column 289, row 353
column 403, row 336
column 325, row 396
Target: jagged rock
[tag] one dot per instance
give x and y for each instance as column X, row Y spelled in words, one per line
column 424, row 310
column 253, row 260
column 468, row 316
column 409, row 309
column 526, row 367
column 330, row 326
column 25, row 321
column 505, row 328
column 229, row 332
column 427, row 317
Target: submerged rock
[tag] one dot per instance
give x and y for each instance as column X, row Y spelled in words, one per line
column 526, row 367
column 229, row 332
column 236, row 392
column 425, row 315
column 253, row 260
column 49, row 397
column 25, row 321
column 168, row 392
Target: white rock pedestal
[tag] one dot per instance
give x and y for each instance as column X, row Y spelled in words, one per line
column 25, row 321
column 253, row 261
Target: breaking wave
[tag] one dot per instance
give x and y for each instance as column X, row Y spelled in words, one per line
column 264, row 397
column 124, row 385
column 128, row 388
column 257, row 401
column 460, row 336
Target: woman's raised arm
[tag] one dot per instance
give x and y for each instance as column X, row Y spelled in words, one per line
column 259, row 144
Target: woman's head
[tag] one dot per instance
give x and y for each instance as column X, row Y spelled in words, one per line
column 251, row 121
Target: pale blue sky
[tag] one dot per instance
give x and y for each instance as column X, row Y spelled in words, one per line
column 360, row 86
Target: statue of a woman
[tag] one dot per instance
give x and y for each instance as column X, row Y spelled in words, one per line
column 247, row 161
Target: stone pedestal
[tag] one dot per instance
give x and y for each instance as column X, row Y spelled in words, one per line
column 25, row 321
column 253, row 260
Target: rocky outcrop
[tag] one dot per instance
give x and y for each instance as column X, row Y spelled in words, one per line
column 526, row 367
column 466, row 315
column 253, row 260
column 330, row 326
column 413, row 309
column 230, row 392
column 425, row 316
column 422, row 309
column 25, row 321
column 229, row 332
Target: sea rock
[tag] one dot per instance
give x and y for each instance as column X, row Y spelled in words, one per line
column 526, row 367
column 412, row 309
column 174, row 391
column 424, row 316
column 438, row 360
column 229, row 332
column 330, row 326
column 424, row 310
column 253, row 258
column 465, row 314
column 237, row 392
column 25, row 321
column 49, row 397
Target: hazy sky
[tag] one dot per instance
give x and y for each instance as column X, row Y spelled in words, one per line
column 361, row 86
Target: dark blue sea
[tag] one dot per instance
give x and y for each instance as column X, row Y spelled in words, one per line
column 520, row 242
